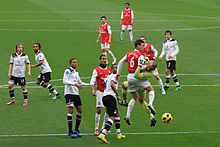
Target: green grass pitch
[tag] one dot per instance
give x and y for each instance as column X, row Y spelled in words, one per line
column 68, row 29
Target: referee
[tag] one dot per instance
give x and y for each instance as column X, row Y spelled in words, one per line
column 171, row 49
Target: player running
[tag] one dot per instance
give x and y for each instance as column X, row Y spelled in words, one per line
column 151, row 53
column 17, row 66
column 105, row 35
column 98, row 76
column 127, row 19
column 133, row 59
column 45, row 71
column 73, row 83
column 171, row 49
column 109, row 101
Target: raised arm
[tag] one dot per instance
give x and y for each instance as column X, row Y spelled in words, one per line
column 120, row 64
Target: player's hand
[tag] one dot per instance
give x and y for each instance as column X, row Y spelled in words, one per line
column 97, row 41
column 9, row 75
column 170, row 56
column 109, row 42
column 32, row 66
column 132, row 23
column 118, row 77
column 93, row 93
column 29, row 74
column 118, row 97
column 160, row 58
column 78, row 85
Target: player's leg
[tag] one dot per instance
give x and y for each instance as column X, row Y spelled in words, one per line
column 78, row 116
column 107, row 45
column 46, row 80
column 130, row 33
column 110, row 104
column 134, row 96
column 166, row 87
column 175, row 80
column 70, row 105
column 11, row 90
column 123, row 27
column 174, row 76
column 151, row 94
column 118, row 126
column 125, row 93
column 106, row 116
column 25, row 94
column 160, row 82
column 99, row 106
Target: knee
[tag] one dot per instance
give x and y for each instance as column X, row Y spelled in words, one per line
column 99, row 110
column 158, row 78
column 70, row 110
column 10, row 86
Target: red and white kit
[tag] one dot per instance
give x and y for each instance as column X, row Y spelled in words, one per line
column 98, row 76
column 132, row 58
column 127, row 15
column 105, row 30
column 150, row 52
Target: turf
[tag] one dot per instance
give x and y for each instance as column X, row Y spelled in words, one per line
column 68, row 29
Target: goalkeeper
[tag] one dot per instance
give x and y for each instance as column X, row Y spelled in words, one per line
column 143, row 73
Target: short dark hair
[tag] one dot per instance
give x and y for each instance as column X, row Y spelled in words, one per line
column 103, row 17
column 127, row 4
column 143, row 37
column 168, row 31
column 72, row 60
column 38, row 44
column 18, row 45
column 100, row 57
column 138, row 42
column 113, row 65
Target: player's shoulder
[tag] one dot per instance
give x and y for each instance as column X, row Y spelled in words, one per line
column 14, row 55
column 165, row 42
column 109, row 68
column 24, row 55
column 173, row 40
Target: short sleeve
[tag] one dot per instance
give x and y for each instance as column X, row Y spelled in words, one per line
column 27, row 60
column 41, row 57
column 11, row 60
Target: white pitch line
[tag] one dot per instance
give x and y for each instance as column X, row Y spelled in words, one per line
column 126, row 76
column 38, row 87
column 86, row 12
column 147, row 30
column 91, row 134
column 71, row 20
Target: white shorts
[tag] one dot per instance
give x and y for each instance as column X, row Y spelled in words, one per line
column 156, row 72
column 99, row 96
column 134, row 84
column 105, row 45
column 128, row 27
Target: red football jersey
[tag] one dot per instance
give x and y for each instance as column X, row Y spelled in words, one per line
column 126, row 16
column 147, row 52
column 104, row 33
column 102, row 74
column 132, row 59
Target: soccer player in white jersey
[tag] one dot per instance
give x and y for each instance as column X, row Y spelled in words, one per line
column 127, row 19
column 109, row 101
column 18, row 67
column 171, row 49
column 45, row 71
column 105, row 35
column 73, row 83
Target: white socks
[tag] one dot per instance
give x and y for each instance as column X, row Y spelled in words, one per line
column 97, row 119
column 161, row 84
column 122, row 35
column 130, row 107
column 106, row 116
column 111, row 54
column 131, row 36
column 151, row 97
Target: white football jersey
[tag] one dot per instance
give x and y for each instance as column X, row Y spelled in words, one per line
column 108, row 90
column 45, row 66
column 19, row 66
column 170, row 47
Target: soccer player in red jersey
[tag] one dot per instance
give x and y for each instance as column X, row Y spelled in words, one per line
column 151, row 53
column 98, row 77
column 127, row 19
column 105, row 35
column 134, row 59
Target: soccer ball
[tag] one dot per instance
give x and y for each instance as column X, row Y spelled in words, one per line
column 167, row 118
